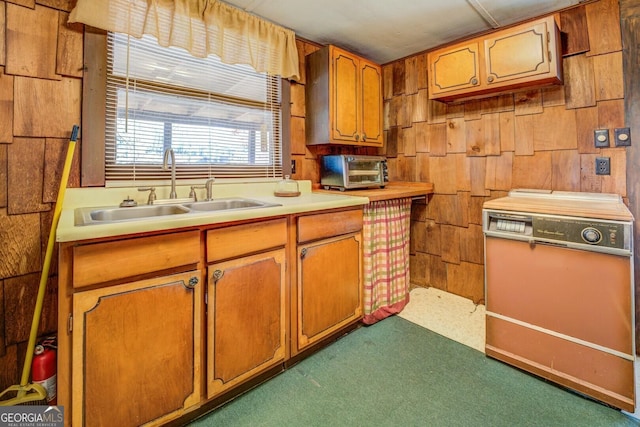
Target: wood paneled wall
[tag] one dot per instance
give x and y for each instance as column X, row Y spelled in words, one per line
column 477, row 150
column 40, row 98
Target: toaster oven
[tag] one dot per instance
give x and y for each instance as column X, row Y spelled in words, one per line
column 346, row 171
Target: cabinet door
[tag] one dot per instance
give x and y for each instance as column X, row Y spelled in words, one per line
column 329, row 287
column 371, row 101
column 136, row 355
column 521, row 53
column 345, row 110
column 454, row 68
column 246, row 318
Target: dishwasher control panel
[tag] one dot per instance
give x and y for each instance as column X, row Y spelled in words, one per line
column 582, row 233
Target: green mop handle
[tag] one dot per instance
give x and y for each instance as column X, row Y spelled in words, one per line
column 26, row 370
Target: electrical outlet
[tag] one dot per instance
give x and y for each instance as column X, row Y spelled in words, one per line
column 601, row 137
column 623, row 137
column 603, row 166
column 293, row 167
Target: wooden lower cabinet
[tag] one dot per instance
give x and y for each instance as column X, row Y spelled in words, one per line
column 132, row 313
column 329, row 276
column 135, row 351
column 246, row 320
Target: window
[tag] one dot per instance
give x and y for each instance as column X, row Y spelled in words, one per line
column 220, row 120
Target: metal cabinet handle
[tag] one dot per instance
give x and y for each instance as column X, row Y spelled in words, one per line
column 364, row 137
column 474, row 81
column 357, row 137
column 193, row 281
column 490, row 79
column 303, row 253
column 217, row 275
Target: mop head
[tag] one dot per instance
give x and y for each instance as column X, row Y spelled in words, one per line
column 22, row 394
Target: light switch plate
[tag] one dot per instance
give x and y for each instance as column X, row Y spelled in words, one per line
column 623, row 137
column 601, row 138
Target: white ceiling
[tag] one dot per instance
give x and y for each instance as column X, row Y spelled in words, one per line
column 385, row 30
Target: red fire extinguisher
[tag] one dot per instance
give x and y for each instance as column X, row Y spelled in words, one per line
column 43, row 368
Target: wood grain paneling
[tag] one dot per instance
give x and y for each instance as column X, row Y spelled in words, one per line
column 450, row 209
column 302, row 65
column 31, row 41
column 442, row 173
column 607, row 70
column 472, row 244
column 26, row 165
column 463, row 171
column 436, row 112
column 20, row 294
column 553, row 96
column 579, row 82
column 297, row 135
column 54, row 158
column 3, row 177
column 438, row 139
column 603, row 21
column 507, row 131
column 455, row 110
column 565, row 170
column 611, row 114
column 456, row 136
column 474, row 138
column 529, row 102
column 472, row 109
column 398, row 78
column 499, row 172
column 466, row 280
column 297, row 100
column 3, row 28
column 420, row 106
column 387, row 81
column 422, row 137
column 6, row 107
column 478, row 176
column 422, row 167
column 69, row 52
column 574, row 30
column 9, row 374
column 497, row 104
column 586, row 123
column 532, row 171
column 409, row 141
column 46, row 108
column 491, row 130
column 432, row 244
column 65, row 5
column 437, row 272
column 524, row 135
column 450, row 244
column 616, row 182
column 391, row 146
column 20, row 249
column 555, row 129
column 418, row 266
column 411, row 75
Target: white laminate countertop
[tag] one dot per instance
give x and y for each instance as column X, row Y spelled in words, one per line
column 74, row 198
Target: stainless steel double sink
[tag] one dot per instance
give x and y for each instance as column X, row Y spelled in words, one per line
column 114, row 214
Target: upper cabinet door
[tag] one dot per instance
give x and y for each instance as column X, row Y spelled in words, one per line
column 371, row 84
column 454, row 68
column 524, row 52
column 523, row 56
column 345, row 96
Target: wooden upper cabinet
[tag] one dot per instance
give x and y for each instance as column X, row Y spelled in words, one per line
column 343, row 99
column 455, row 68
column 526, row 55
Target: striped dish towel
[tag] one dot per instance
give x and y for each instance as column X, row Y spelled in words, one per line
column 386, row 258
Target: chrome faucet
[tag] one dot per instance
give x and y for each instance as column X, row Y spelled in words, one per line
column 169, row 153
column 208, row 185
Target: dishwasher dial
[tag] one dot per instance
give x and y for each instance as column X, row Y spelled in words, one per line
column 591, row 235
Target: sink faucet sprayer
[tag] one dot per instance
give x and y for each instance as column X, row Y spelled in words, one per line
column 169, row 152
column 208, row 185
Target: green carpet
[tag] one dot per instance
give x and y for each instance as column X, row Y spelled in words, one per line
column 396, row 373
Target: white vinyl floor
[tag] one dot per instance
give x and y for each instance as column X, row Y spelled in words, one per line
column 447, row 314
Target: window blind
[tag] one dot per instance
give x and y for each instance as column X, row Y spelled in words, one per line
column 221, row 120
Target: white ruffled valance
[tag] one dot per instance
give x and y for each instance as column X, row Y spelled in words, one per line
column 202, row 27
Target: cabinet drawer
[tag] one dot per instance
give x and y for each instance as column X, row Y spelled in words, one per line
column 104, row 262
column 329, row 224
column 230, row 242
